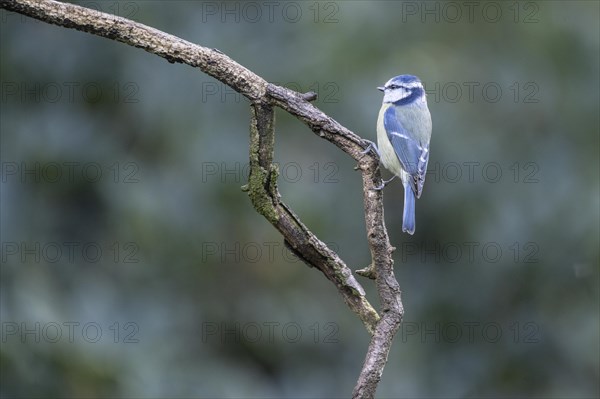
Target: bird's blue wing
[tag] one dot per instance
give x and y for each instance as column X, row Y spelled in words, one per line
column 412, row 155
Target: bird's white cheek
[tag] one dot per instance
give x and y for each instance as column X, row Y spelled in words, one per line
column 396, row 95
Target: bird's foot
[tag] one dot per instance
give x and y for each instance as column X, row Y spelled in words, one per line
column 371, row 146
column 382, row 186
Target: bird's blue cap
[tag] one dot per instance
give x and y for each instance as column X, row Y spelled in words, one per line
column 405, row 79
column 401, row 80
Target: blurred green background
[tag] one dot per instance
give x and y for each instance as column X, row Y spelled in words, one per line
column 134, row 266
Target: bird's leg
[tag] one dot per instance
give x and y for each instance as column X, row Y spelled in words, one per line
column 385, row 182
column 372, row 146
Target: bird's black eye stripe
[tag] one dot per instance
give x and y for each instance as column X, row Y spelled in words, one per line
column 395, row 86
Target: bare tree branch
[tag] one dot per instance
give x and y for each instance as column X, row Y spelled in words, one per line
column 173, row 49
column 262, row 183
column 262, row 188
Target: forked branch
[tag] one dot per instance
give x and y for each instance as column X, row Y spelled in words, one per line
column 262, row 184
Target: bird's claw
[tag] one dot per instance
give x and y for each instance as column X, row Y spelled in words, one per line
column 385, row 183
column 371, row 146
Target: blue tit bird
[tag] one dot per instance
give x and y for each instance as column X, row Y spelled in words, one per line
column 403, row 134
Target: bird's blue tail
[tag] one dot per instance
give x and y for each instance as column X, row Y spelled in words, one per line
column 408, row 218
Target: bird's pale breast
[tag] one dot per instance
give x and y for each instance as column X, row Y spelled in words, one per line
column 388, row 154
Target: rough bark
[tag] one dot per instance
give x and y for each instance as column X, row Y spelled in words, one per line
column 262, row 184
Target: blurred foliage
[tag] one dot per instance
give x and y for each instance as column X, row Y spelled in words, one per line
column 171, row 284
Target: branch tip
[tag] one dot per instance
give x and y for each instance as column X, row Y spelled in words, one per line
column 309, row 96
column 368, row 272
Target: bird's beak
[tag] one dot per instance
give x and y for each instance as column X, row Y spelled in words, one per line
column 381, row 88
